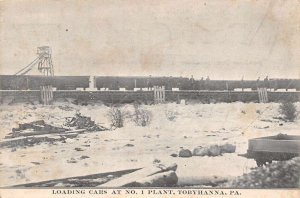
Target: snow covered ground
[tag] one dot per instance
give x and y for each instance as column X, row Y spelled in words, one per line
column 173, row 126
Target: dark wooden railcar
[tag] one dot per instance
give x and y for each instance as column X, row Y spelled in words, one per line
column 273, row 148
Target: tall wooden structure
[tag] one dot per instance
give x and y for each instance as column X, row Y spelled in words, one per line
column 159, row 94
column 44, row 62
column 45, row 65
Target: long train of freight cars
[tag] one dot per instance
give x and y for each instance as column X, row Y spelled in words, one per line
column 12, row 82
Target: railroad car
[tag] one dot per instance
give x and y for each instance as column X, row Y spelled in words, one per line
column 27, row 82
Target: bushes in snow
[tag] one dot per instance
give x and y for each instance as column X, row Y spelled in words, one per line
column 288, row 110
column 171, row 115
column 141, row 117
column 117, row 117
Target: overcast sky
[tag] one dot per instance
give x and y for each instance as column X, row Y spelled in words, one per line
column 221, row 39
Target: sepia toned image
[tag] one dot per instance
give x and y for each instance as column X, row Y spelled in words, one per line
column 162, row 94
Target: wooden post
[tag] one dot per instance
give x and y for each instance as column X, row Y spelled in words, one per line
column 159, row 94
column 155, row 102
column 46, row 94
column 228, row 92
column 163, row 94
column 41, row 93
column 262, row 95
column 51, row 93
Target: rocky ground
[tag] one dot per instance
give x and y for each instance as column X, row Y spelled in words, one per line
column 282, row 174
column 173, row 127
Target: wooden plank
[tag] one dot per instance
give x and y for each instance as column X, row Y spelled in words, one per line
column 266, row 95
column 40, row 133
column 45, row 94
column 41, row 94
column 51, row 93
column 69, row 135
column 23, row 141
column 161, row 94
column 48, row 95
column 84, row 178
column 155, row 95
column 164, row 94
column 132, row 177
column 140, row 175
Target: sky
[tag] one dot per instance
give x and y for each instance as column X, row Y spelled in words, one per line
column 222, row 39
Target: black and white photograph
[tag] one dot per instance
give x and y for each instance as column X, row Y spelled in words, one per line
column 169, row 94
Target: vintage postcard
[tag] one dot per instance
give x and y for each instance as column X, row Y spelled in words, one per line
column 149, row 98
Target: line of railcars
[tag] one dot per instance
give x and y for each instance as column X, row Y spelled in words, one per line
column 27, row 82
